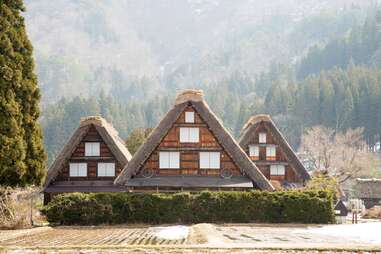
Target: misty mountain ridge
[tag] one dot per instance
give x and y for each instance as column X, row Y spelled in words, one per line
column 83, row 47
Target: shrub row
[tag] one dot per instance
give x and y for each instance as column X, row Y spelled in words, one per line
column 254, row 206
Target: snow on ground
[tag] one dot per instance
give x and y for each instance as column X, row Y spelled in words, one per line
column 364, row 232
column 171, row 232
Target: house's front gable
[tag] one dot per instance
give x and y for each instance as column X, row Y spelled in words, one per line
column 93, row 152
column 194, row 149
column 268, row 149
column 190, row 149
column 90, row 161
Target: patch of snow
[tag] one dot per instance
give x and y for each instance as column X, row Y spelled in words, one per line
column 364, row 232
column 171, row 232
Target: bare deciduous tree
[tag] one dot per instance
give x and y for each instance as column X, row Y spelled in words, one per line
column 343, row 155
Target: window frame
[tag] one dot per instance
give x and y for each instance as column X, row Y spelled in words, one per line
column 186, row 137
column 251, row 147
column 90, row 152
column 209, row 166
column 106, row 164
column 262, row 137
column 77, row 164
column 168, row 164
column 189, row 117
column 268, row 149
column 277, row 169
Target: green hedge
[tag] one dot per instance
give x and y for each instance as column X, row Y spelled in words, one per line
column 254, row 206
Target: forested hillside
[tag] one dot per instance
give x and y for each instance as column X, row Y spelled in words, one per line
column 361, row 45
column 304, row 62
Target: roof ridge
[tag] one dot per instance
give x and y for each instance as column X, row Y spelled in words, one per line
column 364, row 180
column 255, row 119
column 189, row 95
column 98, row 121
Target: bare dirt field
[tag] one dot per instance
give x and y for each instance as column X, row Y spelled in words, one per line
column 200, row 238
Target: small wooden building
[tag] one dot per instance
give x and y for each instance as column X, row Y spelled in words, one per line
column 191, row 150
column 341, row 212
column 268, row 149
column 89, row 162
column 369, row 191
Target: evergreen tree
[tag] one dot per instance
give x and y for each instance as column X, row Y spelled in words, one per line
column 137, row 138
column 243, row 115
column 22, row 154
column 326, row 101
column 104, row 105
column 361, row 45
column 275, row 101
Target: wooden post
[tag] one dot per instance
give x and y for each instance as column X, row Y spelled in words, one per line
column 31, row 210
column 354, row 217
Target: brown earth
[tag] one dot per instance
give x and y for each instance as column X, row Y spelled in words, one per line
column 202, row 238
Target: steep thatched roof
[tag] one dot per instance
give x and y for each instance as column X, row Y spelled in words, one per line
column 195, row 99
column 368, row 188
column 249, row 130
column 105, row 130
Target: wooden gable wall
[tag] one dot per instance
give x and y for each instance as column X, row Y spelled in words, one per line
column 189, row 152
column 263, row 163
column 92, row 162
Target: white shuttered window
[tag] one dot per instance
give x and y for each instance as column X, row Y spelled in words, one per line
column 169, row 160
column 106, row 169
column 92, row 149
column 189, row 135
column 210, row 160
column 189, row 117
column 77, row 169
column 254, row 150
column 270, row 151
column 262, row 137
column 277, row 170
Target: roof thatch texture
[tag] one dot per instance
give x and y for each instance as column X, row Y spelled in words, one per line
column 249, row 129
column 109, row 136
column 368, row 188
column 195, row 99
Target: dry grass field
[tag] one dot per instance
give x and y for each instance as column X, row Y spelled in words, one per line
column 200, row 238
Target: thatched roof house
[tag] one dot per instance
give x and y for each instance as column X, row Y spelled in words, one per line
column 210, row 136
column 110, row 152
column 283, row 156
column 369, row 190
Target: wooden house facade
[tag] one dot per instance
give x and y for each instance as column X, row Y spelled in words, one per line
column 191, row 150
column 89, row 162
column 263, row 142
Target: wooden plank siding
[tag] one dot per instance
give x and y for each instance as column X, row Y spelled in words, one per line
column 189, row 152
column 92, row 161
column 263, row 162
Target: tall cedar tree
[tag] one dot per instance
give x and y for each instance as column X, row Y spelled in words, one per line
column 22, row 155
